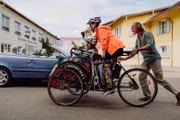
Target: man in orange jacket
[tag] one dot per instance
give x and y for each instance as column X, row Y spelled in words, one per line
column 112, row 47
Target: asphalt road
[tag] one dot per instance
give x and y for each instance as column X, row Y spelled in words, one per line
column 33, row 103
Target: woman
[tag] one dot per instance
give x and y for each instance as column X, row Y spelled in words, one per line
column 112, row 47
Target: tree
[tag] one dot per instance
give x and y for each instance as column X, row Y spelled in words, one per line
column 46, row 45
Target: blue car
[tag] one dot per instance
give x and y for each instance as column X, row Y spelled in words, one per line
column 13, row 66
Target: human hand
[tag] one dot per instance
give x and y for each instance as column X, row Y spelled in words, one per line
column 134, row 52
column 124, row 58
column 73, row 43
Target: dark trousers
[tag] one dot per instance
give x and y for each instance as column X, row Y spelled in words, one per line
column 117, row 67
column 117, row 53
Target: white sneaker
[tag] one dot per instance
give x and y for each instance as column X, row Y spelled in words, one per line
column 108, row 93
column 115, row 80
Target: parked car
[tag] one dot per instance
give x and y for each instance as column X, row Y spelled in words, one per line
column 25, row 67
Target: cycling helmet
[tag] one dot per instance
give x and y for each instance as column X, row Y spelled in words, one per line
column 83, row 43
column 96, row 20
column 91, row 39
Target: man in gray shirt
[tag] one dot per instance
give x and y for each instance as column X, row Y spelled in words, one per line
column 145, row 43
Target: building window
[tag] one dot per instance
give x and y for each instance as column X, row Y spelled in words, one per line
column 5, row 23
column 61, row 43
column 163, row 27
column 40, row 37
column 117, row 31
column 17, row 27
column 5, row 47
column 33, row 34
column 164, row 51
column 27, row 32
column 19, row 49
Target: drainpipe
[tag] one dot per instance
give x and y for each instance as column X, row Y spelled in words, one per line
column 172, row 42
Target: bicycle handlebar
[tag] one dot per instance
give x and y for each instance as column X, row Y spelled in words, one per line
column 93, row 55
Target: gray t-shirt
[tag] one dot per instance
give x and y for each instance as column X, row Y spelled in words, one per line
column 147, row 39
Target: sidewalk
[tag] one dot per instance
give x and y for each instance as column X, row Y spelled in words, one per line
column 171, row 69
column 171, row 72
column 168, row 72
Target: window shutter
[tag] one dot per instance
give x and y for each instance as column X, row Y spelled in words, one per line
column 168, row 51
column 157, row 28
column 119, row 31
column 130, row 32
column 167, row 26
column 114, row 31
column 159, row 49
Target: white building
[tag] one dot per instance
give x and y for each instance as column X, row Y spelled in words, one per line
column 16, row 30
column 66, row 42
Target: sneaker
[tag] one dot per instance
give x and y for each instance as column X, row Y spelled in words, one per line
column 108, row 93
column 178, row 100
column 144, row 99
column 115, row 79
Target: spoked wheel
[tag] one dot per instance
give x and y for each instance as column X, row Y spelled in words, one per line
column 5, row 77
column 139, row 88
column 76, row 90
column 62, row 84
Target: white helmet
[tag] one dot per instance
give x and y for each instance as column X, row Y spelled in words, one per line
column 83, row 43
column 91, row 39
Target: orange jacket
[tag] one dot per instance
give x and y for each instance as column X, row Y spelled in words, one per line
column 109, row 42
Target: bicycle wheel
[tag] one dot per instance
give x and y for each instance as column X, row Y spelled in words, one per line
column 61, row 81
column 139, row 93
column 76, row 91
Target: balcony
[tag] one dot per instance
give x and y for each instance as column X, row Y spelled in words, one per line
column 17, row 32
column 5, row 28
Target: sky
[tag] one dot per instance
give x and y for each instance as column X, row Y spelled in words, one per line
column 67, row 18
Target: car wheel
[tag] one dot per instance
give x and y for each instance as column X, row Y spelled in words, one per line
column 5, row 77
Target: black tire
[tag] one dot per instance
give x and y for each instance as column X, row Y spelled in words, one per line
column 75, row 92
column 84, row 80
column 125, row 86
column 61, row 82
column 5, row 77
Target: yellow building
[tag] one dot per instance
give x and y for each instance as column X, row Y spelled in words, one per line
column 165, row 28
column 122, row 29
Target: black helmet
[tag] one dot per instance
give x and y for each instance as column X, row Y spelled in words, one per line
column 94, row 20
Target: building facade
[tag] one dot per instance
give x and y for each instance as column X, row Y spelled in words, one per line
column 122, row 29
column 165, row 28
column 66, row 42
column 16, row 30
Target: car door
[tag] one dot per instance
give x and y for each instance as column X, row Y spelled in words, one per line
column 18, row 66
column 40, row 67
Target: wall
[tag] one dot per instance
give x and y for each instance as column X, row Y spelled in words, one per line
column 125, row 24
column 9, row 37
column 166, row 38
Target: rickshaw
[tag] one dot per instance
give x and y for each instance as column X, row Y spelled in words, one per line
column 79, row 73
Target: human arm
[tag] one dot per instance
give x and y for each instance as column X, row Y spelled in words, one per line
column 102, row 36
column 74, row 45
column 130, row 56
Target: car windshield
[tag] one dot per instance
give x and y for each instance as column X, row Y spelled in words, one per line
column 60, row 51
